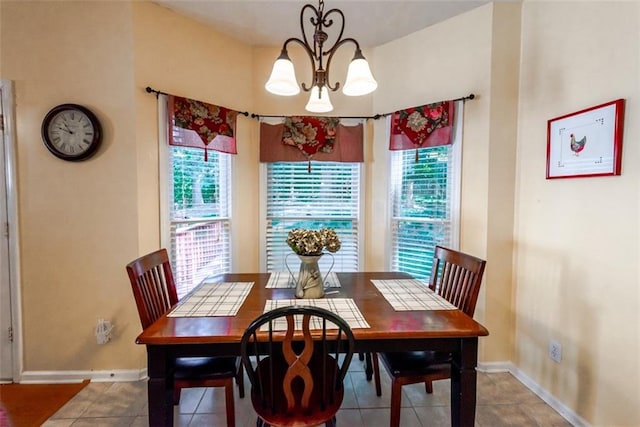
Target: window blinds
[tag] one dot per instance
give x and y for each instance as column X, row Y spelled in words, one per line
column 329, row 196
column 199, row 215
column 421, row 201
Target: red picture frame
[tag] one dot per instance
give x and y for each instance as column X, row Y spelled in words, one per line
column 586, row 143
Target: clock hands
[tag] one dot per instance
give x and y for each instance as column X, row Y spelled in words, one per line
column 65, row 125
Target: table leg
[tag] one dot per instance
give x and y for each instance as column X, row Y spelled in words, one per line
column 159, row 388
column 368, row 368
column 463, row 383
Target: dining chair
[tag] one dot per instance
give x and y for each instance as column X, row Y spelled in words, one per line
column 155, row 293
column 456, row 277
column 296, row 359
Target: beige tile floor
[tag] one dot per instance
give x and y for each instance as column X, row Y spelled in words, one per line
column 502, row 401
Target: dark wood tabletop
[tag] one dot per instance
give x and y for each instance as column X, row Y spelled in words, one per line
column 385, row 322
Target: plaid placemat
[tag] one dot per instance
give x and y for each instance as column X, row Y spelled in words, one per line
column 409, row 294
column 343, row 307
column 213, row 299
column 284, row 280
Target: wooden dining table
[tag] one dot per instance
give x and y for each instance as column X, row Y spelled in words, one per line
column 442, row 330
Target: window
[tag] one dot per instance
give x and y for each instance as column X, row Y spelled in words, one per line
column 199, row 201
column 327, row 196
column 424, row 205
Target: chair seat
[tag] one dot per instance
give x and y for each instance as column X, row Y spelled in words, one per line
column 415, row 363
column 206, row 368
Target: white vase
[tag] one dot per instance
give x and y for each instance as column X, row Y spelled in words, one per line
column 309, row 283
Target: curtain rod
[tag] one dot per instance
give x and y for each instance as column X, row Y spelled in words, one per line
column 158, row 92
column 375, row 117
column 258, row 116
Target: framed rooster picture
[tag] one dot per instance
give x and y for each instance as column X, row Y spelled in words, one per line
column 586, row 143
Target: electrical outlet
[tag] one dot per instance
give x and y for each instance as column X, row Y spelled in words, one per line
column 103, row 331
column 555, row 351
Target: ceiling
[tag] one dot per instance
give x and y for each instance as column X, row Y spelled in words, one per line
column 269, row 22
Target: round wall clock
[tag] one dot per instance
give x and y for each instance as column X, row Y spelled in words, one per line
column 71, row 132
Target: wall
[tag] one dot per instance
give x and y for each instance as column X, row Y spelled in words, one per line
column 81, row 223
column 448, row 63
column 576, row 239
column 77, row 220
column 194, row 61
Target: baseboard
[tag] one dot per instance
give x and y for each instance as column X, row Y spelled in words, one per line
column 53, row 377
column 494, row 367
column 549, row 399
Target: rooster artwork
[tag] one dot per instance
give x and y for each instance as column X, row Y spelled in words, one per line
column 578, row 146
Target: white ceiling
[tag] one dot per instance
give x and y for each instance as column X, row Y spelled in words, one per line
column 269, row 22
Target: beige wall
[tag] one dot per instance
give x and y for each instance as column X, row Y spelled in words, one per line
column 447, row 63
column 82, row 222
column 562, row 254
column 577, row 239
column 179, row 56
column 78, row 220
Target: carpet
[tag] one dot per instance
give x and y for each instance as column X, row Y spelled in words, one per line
column 30, row 405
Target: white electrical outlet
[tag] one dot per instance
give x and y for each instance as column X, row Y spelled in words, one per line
column 555, row 351
column 103, row 331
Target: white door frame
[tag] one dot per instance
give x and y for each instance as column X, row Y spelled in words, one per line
column 8, row 133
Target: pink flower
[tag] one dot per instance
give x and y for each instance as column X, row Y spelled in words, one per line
column 435, row 113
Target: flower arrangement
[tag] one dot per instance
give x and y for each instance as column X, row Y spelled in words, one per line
column 312, row 242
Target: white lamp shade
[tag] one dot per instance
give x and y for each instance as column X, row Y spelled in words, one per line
column 283, row 79
column 359, row 81
column 319, row 104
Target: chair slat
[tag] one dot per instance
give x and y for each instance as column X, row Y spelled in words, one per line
column 305, row 384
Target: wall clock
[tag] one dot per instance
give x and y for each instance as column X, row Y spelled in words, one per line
column 71, row 132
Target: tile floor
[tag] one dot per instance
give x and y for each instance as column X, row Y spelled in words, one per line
column 502, row 401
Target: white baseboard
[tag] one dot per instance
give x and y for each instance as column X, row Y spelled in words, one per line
column 494, row 367
column 53, row 377
column 549, row 399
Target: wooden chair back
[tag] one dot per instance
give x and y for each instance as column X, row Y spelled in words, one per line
column 297, row 374
column 457, row 276
column 153, row 287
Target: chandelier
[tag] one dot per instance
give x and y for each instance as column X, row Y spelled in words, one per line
column 283, row 80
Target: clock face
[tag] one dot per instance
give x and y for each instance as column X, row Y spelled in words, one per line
column 71, row 132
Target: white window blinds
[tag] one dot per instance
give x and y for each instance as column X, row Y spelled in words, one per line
column 328, row 196
column 424, row 201
column 199, row 215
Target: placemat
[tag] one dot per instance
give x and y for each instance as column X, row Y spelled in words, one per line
column 410, row 294
column 284, row 280
column 213, row 299
column 343, row 307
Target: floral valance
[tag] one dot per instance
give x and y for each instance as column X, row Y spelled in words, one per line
column 425, row 126
column 310, row 134
column 318, row 138
column 201, row 125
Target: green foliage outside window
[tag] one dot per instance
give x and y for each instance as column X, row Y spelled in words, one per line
column 195, row 183
column 424, row 184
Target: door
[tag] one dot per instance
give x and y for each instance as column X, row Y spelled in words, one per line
column 6, row 338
